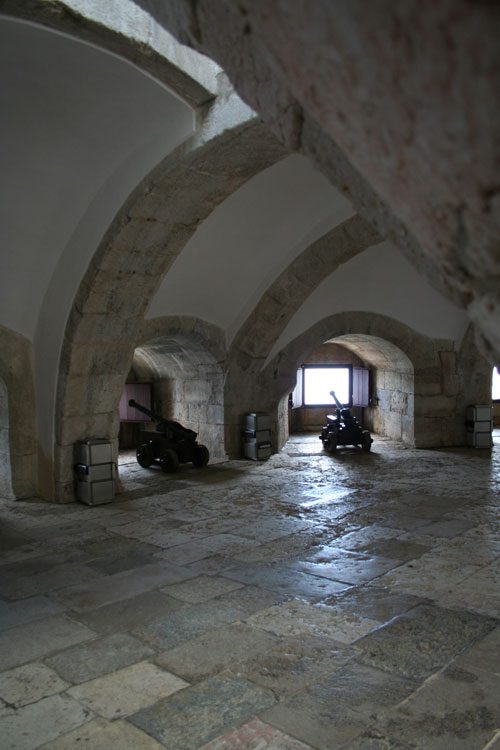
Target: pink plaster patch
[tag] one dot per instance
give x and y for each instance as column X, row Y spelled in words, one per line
column 256, row 736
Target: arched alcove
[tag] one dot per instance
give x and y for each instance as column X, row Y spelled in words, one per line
column 183, row 359
column 391, row 411
column 419, row 378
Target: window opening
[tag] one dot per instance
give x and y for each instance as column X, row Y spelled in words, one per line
column 314, row 383
column 495, row 385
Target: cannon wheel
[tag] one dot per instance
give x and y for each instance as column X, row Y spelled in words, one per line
column 169, row 461
column 331, row 443
column 145, row 455
column 200, row 456
column 366, row 440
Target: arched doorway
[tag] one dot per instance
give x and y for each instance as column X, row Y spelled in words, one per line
column 184, row 363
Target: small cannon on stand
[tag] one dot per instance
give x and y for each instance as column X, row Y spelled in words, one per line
column 343, row 429
column 169, row 445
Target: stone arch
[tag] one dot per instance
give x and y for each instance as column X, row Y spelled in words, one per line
column 138, row 249
column 435, row 196
column 254, row 341
column 427, row 416
column 60, row 17
column 18, row 445
column 185, row 359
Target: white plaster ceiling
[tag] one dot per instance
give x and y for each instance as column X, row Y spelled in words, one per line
column 379, row 280
column 80, row 128
column 247, row 241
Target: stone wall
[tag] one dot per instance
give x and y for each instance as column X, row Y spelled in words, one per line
column 196, row 402
column 392, row 412
column 19, row 476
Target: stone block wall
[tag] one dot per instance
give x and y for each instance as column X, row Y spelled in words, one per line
column 196, row 402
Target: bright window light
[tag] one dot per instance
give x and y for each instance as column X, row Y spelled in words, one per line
column 319, row 381
column 495, row 385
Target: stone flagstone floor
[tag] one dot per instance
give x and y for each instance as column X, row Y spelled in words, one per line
column 311, row 601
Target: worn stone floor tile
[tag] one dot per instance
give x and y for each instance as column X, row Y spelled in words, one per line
column 429, row 572
column 33, row 725
column 127, row 690
column 343, row 566
column 169, row 538
column 293, row 663
column 184, row 625
column 250, row 599
column 194, row 621
column 118, row 563
column 48, row 581
column 397, row 549
column 285, row 580
column 116, row 546
column 358, row 540
column 98, row 657
column 278, row 549
column 120, row 586
column 456, row 709
column 213, row 565
column 464, row 551
column 40, row 638
column 215, row 651
column 29, row 683
column 266, row 530
column 372, row 739
column 483, row 655
column 128, row 614
column 422, row 640
column 227, row 544
column 322, row 723
column 255, row 735
column 22, row 611
column 447, row 528
column 201, row 589
column 101, row 734
column 199, row 714
column 339, row 707
column 373, row 602
column 299, row 616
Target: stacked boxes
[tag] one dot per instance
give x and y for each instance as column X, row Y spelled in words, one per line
column 479, row 423
column 257, row 435
column 95, row 472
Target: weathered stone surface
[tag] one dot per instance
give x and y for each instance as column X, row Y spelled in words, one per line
column 42, row 722
column 202, row 712
column 98, row 657
column 427, row 638
column 38, row 639
column 223, row 648
column 29, row 684
column 101, row 734
column 127, row 690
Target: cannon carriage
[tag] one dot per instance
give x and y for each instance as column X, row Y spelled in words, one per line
column 343, row 429
column 169, row 445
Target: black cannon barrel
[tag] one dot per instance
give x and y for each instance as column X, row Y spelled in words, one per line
column 339, row 405
column 148, row 412
column 170, row 429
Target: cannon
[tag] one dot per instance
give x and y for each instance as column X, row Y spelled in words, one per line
column 343, row 429
column 169, row 445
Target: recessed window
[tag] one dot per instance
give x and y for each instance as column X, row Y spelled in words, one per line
column 495, row 383
column 314, row 383
column 319, row 381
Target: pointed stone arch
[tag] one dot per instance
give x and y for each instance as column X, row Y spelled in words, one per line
column 147, row 235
